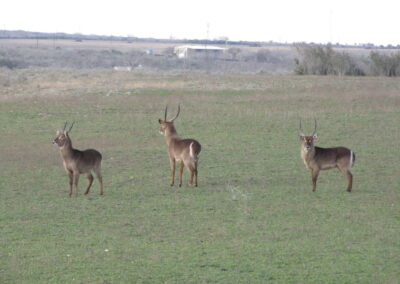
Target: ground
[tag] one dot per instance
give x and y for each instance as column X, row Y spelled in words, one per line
column 253, row 217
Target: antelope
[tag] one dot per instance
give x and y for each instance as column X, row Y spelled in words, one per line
column 317, row 159
column 78, row 162
column 184, row 151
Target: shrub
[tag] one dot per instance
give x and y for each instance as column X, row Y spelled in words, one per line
column 385, row 64
column 10, row 64
column 323, row 60
column 263, row 55
column 234, row 52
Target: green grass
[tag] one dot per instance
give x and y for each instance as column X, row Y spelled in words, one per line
column 253, row 218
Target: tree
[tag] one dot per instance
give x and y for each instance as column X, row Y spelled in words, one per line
column 234, row 51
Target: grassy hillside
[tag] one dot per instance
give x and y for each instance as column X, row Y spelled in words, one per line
column 253, row 217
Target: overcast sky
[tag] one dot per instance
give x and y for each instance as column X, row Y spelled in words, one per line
column 344, row 21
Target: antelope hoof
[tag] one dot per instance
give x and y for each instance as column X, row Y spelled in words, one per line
column 180, row 185
column 349, row 190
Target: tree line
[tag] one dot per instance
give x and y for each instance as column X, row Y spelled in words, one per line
column 324, row 60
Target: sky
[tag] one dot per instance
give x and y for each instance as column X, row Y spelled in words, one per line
column 343, row 21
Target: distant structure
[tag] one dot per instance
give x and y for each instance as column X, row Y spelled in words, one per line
column 190, row 51
column 122, row 68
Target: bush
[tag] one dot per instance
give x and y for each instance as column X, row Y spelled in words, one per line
column 385, row 64
column 323, row 60
column 315, row 60
column 234, row 52
column 10, row 64
column 263, row 55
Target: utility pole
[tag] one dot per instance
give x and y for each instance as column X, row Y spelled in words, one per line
column 207, row 55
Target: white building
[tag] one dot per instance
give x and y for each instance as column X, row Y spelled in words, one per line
column 189, row 51
column 123, row 68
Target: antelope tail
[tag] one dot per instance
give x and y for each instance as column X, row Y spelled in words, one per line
column 191, row 151
column 352, row 158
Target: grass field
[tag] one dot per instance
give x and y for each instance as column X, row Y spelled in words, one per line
column 253, row 218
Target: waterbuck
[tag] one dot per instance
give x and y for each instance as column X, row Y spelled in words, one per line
column 317, row 159
column 184, row 151
column 78, row 162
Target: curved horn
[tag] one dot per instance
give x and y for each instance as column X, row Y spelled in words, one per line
column 179, row 110
column 301, row 129
column 165, row 115
column 71, row 126
column 315, row 126
column 65, row 125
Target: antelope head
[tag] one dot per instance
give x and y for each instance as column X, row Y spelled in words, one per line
column 62, row 137
column 167, row 125
column 307, row 142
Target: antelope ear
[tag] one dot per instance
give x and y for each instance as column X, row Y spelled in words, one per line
column 65, row 132
column 58, row 132
column 315, row 136
column 301, row 137
column 159, row 121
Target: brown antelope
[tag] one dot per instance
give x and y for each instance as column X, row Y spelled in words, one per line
column 78, row 162
column 184, row 151
column 317, row 159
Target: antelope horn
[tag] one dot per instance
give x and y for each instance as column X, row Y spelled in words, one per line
column 315, row 126
column 71, row 126
column 301, row 129
column 65, row 125
column 165, row 115
column 179, row 110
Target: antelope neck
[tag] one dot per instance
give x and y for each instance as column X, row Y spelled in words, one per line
column 66, row 150
column 307, row 154
column 171, row 134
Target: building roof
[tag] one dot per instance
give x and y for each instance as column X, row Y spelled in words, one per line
column 200, row 47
